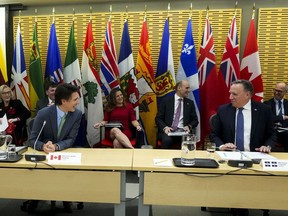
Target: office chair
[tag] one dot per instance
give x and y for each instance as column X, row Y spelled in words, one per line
column 107, row 143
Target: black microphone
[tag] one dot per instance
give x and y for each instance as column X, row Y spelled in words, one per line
column 35, row 157
column 241, row 163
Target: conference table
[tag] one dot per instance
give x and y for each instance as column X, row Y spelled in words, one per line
column 100, row 177
column 227, row 187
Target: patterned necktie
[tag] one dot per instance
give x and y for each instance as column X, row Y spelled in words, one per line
column 63, row 119
column 280, row 108
column 177, row 114
column 240, row 130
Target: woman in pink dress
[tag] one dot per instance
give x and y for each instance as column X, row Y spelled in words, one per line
column 118, row 110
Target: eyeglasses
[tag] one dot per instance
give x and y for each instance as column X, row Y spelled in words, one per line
column 6, row 93
column 278, row 91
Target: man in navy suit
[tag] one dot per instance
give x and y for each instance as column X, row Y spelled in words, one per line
column 50, row 88
column 279, row 107
column 167, row 110
column 57, row 136
column 259, row 133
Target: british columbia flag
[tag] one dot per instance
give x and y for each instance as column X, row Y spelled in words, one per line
column 230, row 65
column 109, row 71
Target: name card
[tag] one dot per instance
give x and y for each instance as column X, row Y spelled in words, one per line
column 275, row 165
column 64, row 158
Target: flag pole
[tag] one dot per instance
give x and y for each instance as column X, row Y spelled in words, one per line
column 35, row 18
column 90, row 19
column 145, row 13
column 191, row 7
column 53, row 15
column 236, row 4
column 126, row 13
column 110, row 13
column 73, row 17
column 253, row 14
column 168, row 11
column 19, row 17
column 207, row 12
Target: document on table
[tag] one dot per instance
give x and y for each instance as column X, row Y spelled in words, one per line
column 178, row 133
column 163, row 162
column 236, row 155
column 4, row 123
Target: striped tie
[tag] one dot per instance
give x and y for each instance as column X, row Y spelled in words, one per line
column 63, row 119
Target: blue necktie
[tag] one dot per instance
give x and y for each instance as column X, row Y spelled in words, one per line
column 280, row 108
column 240, row 130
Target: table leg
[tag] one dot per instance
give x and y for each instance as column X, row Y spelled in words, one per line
column 143, row 210
column 120, row 209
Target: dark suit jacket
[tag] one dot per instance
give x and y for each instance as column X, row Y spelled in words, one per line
column 262, row 128
column 165, row 113
column 68, row 133
column 277, row 118
column 41, row 104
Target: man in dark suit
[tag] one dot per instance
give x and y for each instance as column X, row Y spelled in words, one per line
column 167, row 114
column 259, row 133
column 50, row 88
column 279, row 107
column 61, row 128
column 257, row 128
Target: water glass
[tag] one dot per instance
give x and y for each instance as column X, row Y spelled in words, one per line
column 211, row 148
column 188, row 150
column 11, row 151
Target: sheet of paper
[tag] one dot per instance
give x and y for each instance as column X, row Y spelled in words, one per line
column 163, row 162
column 178, row 133
column 258, row 155
column 232, row 155
column 4, row 123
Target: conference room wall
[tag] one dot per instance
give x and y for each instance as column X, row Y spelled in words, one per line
column 226, row 7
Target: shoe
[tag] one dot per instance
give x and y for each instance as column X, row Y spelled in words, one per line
column 67, row 206
column 32, row 206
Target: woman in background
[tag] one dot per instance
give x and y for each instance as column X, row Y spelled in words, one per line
column 118, row 110
column 16, row 114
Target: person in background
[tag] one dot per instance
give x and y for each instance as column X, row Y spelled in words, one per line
column 279, row 106
column 253, row 121
column 49, row 100
column 61, row 128
column 167, row 114
column 118, row 110
column 16, row 113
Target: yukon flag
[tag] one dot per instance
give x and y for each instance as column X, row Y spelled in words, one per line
column 109, row 71
column 230, row 66
column 36, row 84
column 19, row 84
column 188, row 70
column 92, row 90
column 146, row 87
column 127, row 69
column 53, row 63
column 250, row 65
column 3, row 68
column 165, row 76
column 208, row 79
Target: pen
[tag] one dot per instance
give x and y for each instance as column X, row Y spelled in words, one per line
column 161, row 161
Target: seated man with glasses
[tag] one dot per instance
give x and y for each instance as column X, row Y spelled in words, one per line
column 279, row 106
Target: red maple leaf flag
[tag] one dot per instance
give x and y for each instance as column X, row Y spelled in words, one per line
column 250, row 65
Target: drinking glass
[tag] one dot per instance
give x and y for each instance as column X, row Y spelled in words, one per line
column 211, row 148
column 188, row 149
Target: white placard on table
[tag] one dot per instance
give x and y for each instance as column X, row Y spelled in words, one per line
column 64, row 158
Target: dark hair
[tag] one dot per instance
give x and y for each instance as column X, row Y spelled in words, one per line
column 247, row 85
column 64, row 91
column 49, row 84
column 112, row 99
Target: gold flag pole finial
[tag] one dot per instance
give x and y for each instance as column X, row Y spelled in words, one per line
column 207, row 12
column 53, row 14
column 35, row 14
column 168, row 11
column 19, row 16
column 236, row 5
column 126, row 12
column 253, row 14
column 73, row 14
column 191, row 7
column 110, row 11
column 145, row 12
column 90, row 14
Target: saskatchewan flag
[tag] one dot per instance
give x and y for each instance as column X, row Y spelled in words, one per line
column 36, row 86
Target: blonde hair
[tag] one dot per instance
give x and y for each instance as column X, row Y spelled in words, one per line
column 4, row 86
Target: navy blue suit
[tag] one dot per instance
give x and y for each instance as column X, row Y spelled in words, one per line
column 262, row 128
column 68, row 133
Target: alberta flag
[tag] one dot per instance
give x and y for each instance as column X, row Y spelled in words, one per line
column 19, row 84
column 92, row 90
column 165, row 76
column 188, row 70
column 109, row 71
column 36, row 84
column 53, row 63
column 127, row 69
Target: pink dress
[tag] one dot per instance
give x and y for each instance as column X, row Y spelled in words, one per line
column 121, row 114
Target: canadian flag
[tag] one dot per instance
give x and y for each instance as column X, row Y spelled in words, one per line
column 55, row 157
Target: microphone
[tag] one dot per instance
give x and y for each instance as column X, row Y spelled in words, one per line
column 34, row 157
column 241, row 163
